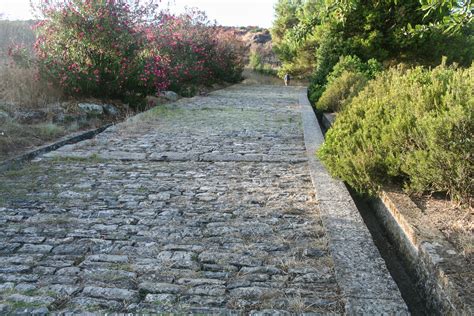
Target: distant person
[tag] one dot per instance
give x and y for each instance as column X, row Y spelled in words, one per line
column 287, row 79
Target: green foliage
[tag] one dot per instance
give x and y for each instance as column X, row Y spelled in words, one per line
column 341, row 90
column 354, row 64
column 326, row 78
column 255, row 61
column 462, row 14
column 311, row 35
column 130, row 49
column 257, row 64
column 412, row 126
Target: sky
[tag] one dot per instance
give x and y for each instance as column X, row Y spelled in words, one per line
column 225, row 12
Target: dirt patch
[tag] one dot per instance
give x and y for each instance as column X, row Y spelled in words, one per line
column 453, row 220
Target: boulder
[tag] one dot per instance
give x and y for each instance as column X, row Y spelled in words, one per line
column 31, row 117
column 91, row 108
column 261, row 38
column 170, row 95
column 111, row 110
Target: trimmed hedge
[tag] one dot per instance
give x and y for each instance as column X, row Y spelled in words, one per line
column 410, row 126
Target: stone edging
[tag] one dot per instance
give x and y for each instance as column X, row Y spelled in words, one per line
column 437, row 265
column 7, row 164
column 360, row 270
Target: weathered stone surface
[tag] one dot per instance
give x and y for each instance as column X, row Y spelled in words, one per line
column 111, row 293
column 204, row 206
column 91, row 108
column 160, row 299
column 170, row 95
column 110, row 109
column 160, row 288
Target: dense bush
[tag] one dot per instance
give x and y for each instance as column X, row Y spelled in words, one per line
column 256, row 63
column 310, row 36
column 346, row 79
column 129, row 49
column 96, row 47
column 340, row 91
column 412, row 126
column 354, row 64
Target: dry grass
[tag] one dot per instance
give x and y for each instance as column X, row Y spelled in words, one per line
column 15, row 137
column 20, row 87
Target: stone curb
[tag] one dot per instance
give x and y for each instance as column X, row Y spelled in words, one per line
column 437, row 265
column 360, row 270
column 9, row 163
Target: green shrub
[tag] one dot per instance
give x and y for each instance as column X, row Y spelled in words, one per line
column 341, row 90
column 411, row 126
column 354, row 64
column 324, row 76
column 257, row 64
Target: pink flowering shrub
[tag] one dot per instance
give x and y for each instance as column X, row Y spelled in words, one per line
column 197, row 51
column 95, row 47
column 120, row 48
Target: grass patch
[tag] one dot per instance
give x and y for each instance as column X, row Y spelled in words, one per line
column 48, row 131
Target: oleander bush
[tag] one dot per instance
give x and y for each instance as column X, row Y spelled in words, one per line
column 411, row 126
column 130, row 49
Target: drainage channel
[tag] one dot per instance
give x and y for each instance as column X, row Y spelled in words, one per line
column 396, row 265
column 400, row 271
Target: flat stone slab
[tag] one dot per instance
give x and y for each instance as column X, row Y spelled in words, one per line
column 205, row 206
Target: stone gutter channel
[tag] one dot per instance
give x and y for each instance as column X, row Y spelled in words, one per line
column 434, row 269
column 360, row 270
column 66, row 140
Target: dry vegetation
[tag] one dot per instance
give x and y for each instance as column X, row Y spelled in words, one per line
column 454, row 221
column 28, row 108
column 20, row 86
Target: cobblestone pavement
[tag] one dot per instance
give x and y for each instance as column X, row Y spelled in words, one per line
column 203, row 206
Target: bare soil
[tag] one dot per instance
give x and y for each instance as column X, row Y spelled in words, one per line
column 455, row 221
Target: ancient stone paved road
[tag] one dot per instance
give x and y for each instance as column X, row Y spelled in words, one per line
column 203, row 206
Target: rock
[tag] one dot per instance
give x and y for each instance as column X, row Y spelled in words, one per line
column 262, row 38
column 40, row 300
column 159, row 288
column 108, row 258
column 170, row 95
column 160, row 299
column 179, row 259
column 31, row 117
column 111, row 293
column 31, row 248
column 25, row 287
column 153, row 101
column 313, row 253
column 209, row 290
column 4, row 116
column 87, row 303
column 4, row 309
column 60, row 289
column 162, row 196
column 111, row 110
column 62, row 118
column 91, row 108
column 7, row 286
